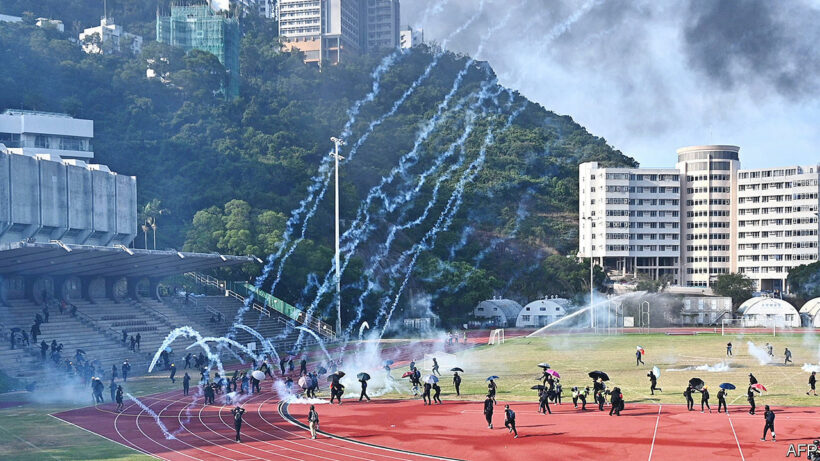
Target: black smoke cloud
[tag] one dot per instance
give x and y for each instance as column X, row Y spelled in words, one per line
column 735, row 43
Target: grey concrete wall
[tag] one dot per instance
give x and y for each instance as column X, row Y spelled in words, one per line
column 51, row 199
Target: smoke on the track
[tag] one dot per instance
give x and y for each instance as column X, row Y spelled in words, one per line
column 718, row 367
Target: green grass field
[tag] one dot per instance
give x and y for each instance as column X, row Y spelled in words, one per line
column 29, row 433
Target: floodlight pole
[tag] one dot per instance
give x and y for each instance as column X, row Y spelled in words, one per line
column 336, row 157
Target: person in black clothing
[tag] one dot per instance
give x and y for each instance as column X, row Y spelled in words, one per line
column 509, row 420
column 303, row 366
column 544, row 402
column 704, row 399
column 124, row 336
column 653, row 381
column 436, row 393
column 114, row 372
column 426, row 394
column 313, row 421
column 690, row 402
column 638, row 358
column 44, row 349
column 721, row 395
column 457, row 383
column 491, row 390
column 435, row 367
column 488, row 410
column 255, row 389
column 282, row 363
column 38, row 319
column 812, row 384
column 729, row 349
column 237, row 420
column 34, row 330
column 119, row 398
column 112, row 389
column 768, row 415
column 45, row 313
column 187, row 361
column 788, row 355
column 750, row 396
column 752, row 379
column 137, row 340
column 616, row 400
column 290, row 364
column 186, row 383
column 126, row 367
column 133, row 344
column 600, row 397
column 173, row 373
column 364, row 390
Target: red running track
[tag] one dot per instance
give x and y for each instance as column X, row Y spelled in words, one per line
column 408, row 430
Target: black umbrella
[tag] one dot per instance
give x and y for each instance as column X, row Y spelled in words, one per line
column 330, row 378
column 599, row 374
column 544, row 365
column 696, row 383
column 340, row 373
column 363, row 376
column 457, row 369
column 537, row 388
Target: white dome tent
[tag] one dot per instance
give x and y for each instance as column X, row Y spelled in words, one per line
column 541, row 312
column 766, row 312
column 810, row 313
column 501, row 312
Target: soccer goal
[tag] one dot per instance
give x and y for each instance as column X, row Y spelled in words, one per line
column 496, row 337
column 743, row 326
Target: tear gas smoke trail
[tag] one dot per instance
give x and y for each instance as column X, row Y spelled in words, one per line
column 760, row 354
column 318, row 340
column 361, row 228
column 293, row 398
column 316, row 190
column 224, row 340
column 448, row 214
column 462, row 242
column 186, row 332
column 362, row 328
column 437, row 8
column 808, row 367
column 265, row 343
column 363, row 138
column 165, row 432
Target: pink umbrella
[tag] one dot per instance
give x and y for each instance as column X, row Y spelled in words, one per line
column 759, row 387
column 554, row 373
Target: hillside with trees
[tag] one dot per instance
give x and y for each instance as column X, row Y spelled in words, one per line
column 220, row 175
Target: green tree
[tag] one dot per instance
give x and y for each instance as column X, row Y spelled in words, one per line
column 737, row 286
column 804, row 280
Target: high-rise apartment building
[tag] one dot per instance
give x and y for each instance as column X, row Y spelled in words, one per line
column 329, row 30
column 704, row 218
column 198, row 27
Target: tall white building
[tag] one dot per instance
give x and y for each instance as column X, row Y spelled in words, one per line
column 381, row 24
column 704, row 218
column 109, row 37
column 409, row 37
column 32, row 133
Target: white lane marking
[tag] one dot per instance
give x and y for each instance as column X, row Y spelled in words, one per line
column 657, row 421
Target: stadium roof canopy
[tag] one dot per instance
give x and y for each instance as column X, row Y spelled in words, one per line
column 59, row 259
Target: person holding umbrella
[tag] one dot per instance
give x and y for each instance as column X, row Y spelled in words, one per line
column 492, row 388
column 704, row 399
column 768, row 415
column 639, row 356
column 721, row 395
column 237, row 420
column 653, row 382
column 313, row 421
column 457, row 383
column 509, row 420
column 363, row 377
column 488, row 410
column 426, row 394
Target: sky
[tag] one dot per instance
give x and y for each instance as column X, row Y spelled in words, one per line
column 651, row 76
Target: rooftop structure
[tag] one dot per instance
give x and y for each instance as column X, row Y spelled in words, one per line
column 109, row 38
column 764, row 311
column 33, row 132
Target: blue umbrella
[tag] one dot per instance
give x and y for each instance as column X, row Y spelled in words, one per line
column 388, row 362
column 492, row 377
column 727, row 386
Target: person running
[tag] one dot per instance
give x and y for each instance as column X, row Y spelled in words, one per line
column 788, row 355
column 812, row 384
column 173, row 373
column 544, row 402
column 729, row 349
column 575, row 394
column 118, row 398
column 638, row 358
column 364, row 390
column 237, row 420
column 426, row 394
column 768, row 415
column 770, row 349
column 457, row 383
column 186, row 383
column 488, row 410
column 704, row 399
column 750, row 396
column 721, row 395
column 690, row 402
column 509, row 420
column 436, row 393
column 313, row 421
column 435, row 367
column 491, row 390
column 653, row 383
